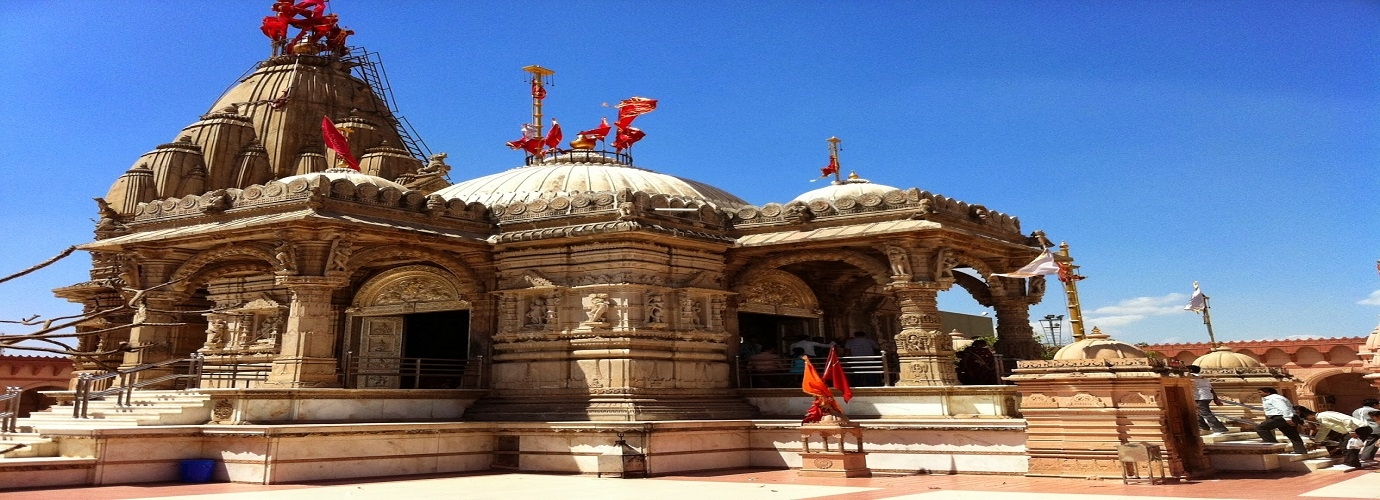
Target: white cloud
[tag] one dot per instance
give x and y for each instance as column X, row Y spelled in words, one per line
column 1147, row 306
column 1105, row 322
column 1372, row 300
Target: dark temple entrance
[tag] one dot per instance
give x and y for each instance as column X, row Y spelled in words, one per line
column 435, row 349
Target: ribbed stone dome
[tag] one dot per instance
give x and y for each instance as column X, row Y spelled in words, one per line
column 853, row 186
column 1224, row 357
column 1098, row 345
column 579, row 172
column 353, row 176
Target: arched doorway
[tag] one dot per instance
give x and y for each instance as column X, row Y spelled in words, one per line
column 776, row 308
column 410, row 328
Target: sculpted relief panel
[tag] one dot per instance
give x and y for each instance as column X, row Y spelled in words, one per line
column 778, row 292
column 409, row 289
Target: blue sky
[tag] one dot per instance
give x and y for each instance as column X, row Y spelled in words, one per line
column 1232, row 143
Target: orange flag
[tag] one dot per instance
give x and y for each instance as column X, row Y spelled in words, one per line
column 833, row 372
column 812, row 384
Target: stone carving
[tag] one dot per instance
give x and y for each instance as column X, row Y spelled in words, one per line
column 899, row 260
column 286, row 257
column 215, row 333
column 690, row 312
column 656, row 308
column 944, row 263
column 341, row 249
column 536, row 312
column 553, row 305
column 1084, row 399
column 772, row 292
column 415, row 289
column 598, row 307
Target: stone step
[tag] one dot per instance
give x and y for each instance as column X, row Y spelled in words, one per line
column 29, row 445
column 1309, row 465
column 1230, row 436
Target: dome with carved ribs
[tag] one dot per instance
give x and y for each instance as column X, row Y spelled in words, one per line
column 582, row 171
column 1224, row 357
column 853, row 186
column 1098, row 345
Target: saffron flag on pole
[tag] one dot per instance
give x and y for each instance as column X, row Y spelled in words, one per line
column 833, row 372
column 336, row 142
column 553, row 138
column 627, row 136
column 812, row 384
column 538, row 90
column 828, row 170
column 1198, row 302
column 599, row 133
column 632, row 107
column 1041, row 266
column 1066, row 274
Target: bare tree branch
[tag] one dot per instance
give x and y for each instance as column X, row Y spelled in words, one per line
column 40, row 265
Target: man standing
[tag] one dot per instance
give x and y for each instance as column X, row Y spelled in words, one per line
column 1203, row 394
column 1368, row 413
column 860, row 345
column 1279, row 414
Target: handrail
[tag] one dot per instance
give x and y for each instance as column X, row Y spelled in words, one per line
column 463, row 373
column 9, row 416
column 879, row 365
column 124, row 389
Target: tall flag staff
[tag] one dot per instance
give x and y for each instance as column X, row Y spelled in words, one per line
column 1069, row 277
column 541, row 77
column 833, row 166
column 1062, row 265
column 1199, row 304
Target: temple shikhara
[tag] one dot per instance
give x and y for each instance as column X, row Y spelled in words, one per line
column 297, row 271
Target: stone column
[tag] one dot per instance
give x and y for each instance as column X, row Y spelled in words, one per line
column 926, row 353
column 307, row 357
column 1015, row 337
column 152, row 338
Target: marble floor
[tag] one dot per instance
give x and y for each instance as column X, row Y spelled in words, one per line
column 747, row 484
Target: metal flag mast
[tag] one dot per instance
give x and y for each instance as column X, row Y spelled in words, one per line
column 834, row 158
column 1070, row 280
column 1207, row 317
column 541, row 77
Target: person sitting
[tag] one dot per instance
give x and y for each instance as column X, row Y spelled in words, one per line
column 798, row 360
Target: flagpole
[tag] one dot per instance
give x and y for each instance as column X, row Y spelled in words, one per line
column 538, row 74
column 1207, row 317
column 1071, row 294
column 834, row 158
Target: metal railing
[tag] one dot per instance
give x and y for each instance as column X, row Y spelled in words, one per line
column 232, row 375
column 123, row 382
column 10, row 403
column 414, row 373
column 863, row 371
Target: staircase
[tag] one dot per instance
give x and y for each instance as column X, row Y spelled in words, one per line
column 1243, row 451
column 187, row 407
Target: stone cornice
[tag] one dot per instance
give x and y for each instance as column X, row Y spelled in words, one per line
column 911, row 203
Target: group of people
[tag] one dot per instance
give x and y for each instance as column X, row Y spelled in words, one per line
column 1355, row 434
column 767, row 364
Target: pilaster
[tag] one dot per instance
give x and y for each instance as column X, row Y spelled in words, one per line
column 926, row 353
column 307, row 357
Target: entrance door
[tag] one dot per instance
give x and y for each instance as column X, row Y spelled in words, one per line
column 435, row 347
column 772, row 330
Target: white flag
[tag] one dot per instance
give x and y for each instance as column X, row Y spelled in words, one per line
column 529, row 131
column 1198, row 302
column 1042, row 265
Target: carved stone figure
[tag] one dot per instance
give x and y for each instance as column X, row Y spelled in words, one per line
column 900, row 261
column 689, row 312
column 553, row 305
column 655, row 308
column 287, row 261
column 944, row 263
column 341, row 249
column 536, row 311
column 436, row 165
column 215, row 333
column 598, row 306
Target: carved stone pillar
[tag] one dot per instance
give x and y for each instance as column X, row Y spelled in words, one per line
column 926, row 353
column 307, row 358
column 1015, row 337
column 152, row 338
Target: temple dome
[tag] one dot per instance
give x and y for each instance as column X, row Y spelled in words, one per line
column 1224, row 357
column 853, row 186
column 1098, row 345
column 582, row 171
column 354, row 176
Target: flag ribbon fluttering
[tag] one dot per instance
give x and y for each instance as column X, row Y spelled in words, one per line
column 337, row 142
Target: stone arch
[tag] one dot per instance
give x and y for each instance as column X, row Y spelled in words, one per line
column 959, row 259
column 1308, row 356
column 468, row 281
column 976, row 288
column 185, row 273
column 880, row 272
column 411, row 288
column 774, row 291
column 1275, row 357
column 185, row 289
column 1341, row 355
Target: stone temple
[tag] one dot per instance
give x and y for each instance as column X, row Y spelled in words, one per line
column 388, row 321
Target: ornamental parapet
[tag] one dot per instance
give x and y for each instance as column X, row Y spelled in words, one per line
column 913, row 202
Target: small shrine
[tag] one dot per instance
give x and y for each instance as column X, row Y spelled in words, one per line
column 826, row 421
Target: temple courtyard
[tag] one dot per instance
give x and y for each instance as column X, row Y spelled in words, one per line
column 753, row 484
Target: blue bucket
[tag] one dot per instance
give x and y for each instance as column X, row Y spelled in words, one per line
column 196, row 471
